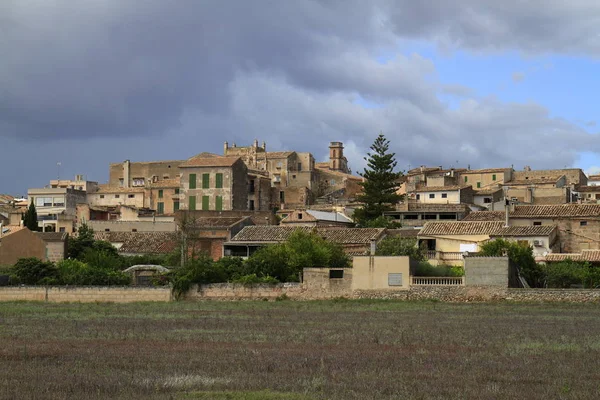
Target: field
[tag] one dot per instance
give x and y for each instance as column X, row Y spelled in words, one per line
column 299, row 350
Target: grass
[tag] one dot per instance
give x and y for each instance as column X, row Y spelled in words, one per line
column 299, row 350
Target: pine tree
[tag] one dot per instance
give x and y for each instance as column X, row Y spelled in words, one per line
column 380, row 185
column 30, row 218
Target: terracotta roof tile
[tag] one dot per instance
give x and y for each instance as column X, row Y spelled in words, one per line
column 441, row 188
column 557, row 211
column 487, row 191
column 460, row 228
column 209, row 162
column 588, row 189
column 485, row 216
column 537, row 230
column 484, row 171
column 141, row 242
column 585, row 255
column 536, row 181
column 53, row 236
column 274, row 234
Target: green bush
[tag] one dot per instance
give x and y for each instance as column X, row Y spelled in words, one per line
column 253, row 279
column 75, row 272
column 520, row 255
column 200, row 270
column 424, row 268
column 567, row 273
column 33, row 271
column 400, row 246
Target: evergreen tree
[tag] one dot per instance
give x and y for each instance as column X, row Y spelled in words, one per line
column 380, row 185
column 30, row 218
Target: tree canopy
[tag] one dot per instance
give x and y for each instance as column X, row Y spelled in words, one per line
column 381, row 182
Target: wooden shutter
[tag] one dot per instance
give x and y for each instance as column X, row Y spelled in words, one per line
column 219, row 203
column 205, row 202
column 192, row 181
column 205, row 181
column 192, row 206
column 161, row 208
column 219, row 181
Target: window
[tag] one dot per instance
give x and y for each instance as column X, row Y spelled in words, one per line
column 165, row 176
column 418, row 197
column 487, row 199
column 117, row 196
column 444, row 195
column 279, row 165
column 43, row 201
column 336, row 274
column 138, row 181
column 121, row 182
column 478, row 185
column 192, row 201
column 432, row 195
column 61, row 229
column 205, row 202
column 410, row 216
column 192, row 181
column 101, row 196
column 466, row 178
column 494, row 177
column 160, row 209
column 282, row 197
column 582, row 223
column 59, row 201
column 107, row 230
column 219, row 203
column 134, row 230
column 537, row 223
column 299, row 215
column 299, row 166
column 293, row 176
column 131, row 196
column 395, row 279
column 175, row 206
column 176, row 191
column 205, row 181
column 160, row 194
column 251, row 205
column 429, row 216
column 219, row 181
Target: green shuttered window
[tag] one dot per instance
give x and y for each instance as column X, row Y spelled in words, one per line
column 192, row 206
column 161, row 208
column 205, row 202
column 219, row 181
column 192, row 181
column 205, row 181
column 219, row 203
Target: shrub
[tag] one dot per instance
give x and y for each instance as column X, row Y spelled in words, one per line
column 424, row 268
column 519, row 254
column 33, row 271
column 75, row 272
column 400, row 246
column 253, row 279
column 199, row 270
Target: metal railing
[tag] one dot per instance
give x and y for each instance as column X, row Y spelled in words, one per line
column 443, row 255
column 437, row 281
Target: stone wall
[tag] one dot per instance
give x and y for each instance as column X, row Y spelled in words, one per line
column 84, row 294
column 232, row 291
column 491, row 271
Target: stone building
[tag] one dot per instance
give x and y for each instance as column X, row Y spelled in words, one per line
column 163, row 196
column 139, row 174
column 214, row 183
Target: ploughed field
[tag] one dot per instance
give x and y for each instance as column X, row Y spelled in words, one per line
column 299, row 350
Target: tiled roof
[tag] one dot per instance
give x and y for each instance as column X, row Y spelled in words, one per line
column 279, row 154
column 557, row 211
column 594, row 177
column 118, row 189
column 585, row 255
column 273, row 234
column 341, row 174
column 537, row 230
column 210, row 162
column 5, row 198
column 485, row 216
column 166, row 183
column 487, row 191
column 460, row 228
column 484, row 170
column 420, row 170
column 403, row 232
column 10, row 229
column 588, row 189
column 437, row 207
column 141, row 242
column 441, row 188
column 150, row 162
column 53, row 236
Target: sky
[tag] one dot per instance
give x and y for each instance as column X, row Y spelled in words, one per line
column 457, row 83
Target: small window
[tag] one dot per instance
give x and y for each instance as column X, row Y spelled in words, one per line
column 336, row 274
column 537, row 223
column 219, row 203
column 219, row 181
column 299, row 215
column 282, row 197
column 395, row 279
column 299, row 166
column 175, row 206
column 487, row 200
column 205, row 181
column 444, row 195
column 121, row 182
column 117, row 196
column 131, row 196
column 160, row 208
column 432, row 195
column 106, row 230
column 134, row 230
column 582, row 223
column 177, row 191
column 192, row 203
column 61, row 229
column 160, row 194
column 205, row 203
column 494, row 177
column 192, row 181
column 101, row 196
column 478, row 185
column 466, row 178
column 418, row 197
column 293, row 176
column 165, row 176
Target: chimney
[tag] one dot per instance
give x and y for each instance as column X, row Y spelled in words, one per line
column 256, row 143
column 225, row 147
column 507, row 209
column 373, row 247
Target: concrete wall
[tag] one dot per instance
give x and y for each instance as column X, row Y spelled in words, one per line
column 453, row 197
column 55, row 251
column 21, row 244
column 129, row 226
column 373, row 272
column 488, row 271
column 317, row 282
column 118, row 197
column 84, row 294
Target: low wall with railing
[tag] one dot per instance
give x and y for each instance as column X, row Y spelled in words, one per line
column 437, row 281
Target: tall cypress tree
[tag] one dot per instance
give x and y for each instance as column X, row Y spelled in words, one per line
column 30, row 218
column 380, row 185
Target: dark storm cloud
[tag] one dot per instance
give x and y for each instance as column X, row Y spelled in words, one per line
column 190, row 74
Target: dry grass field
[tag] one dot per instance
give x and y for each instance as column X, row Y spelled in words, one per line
column 299, row 350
